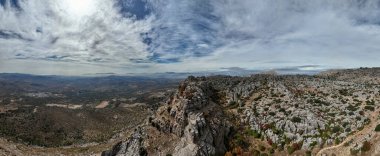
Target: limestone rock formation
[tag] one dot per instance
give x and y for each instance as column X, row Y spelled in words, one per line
column 132, row 147
column 193, row 118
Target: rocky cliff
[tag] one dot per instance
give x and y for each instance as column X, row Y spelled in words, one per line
column 191, row 120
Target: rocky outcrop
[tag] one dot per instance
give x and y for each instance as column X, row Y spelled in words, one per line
column 195, row 118
column 192, row 116
column 132, row 147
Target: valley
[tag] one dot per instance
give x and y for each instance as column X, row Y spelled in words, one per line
column 50, row 115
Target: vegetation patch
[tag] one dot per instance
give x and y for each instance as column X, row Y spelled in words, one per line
column 366, row 146
column 296, row 119
column 377, row 129
column 371, row 108
column 253, row 133
column 294, row 147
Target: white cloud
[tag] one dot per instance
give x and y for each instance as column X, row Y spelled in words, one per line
column 196, row 35
column 60, row 29
column 265, row 34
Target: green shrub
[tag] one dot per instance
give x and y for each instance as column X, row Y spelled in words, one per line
column 287, row 140
column 346, row 144
column 354, row 152
column 274, row 146
column 361, row 112
column 296, row 119
column 337, row 141
column 344, row 92
column 239, row 139
column 345, row 124
column 257, row 98
column 256, row 153
column 377, row 129
column 331, row 114
column 253, row 133
column 294, row 147
column 352, row 108
column 336, row 129
column 318, row 102
column 367, row 121
column 290, row 149
column 369, row 108
column 263, row 154
column 262, row 148
column 232, row 105
column 366, row 146
column 308, row 153
column 272, row 150
column 370, row 102
column 313, row 144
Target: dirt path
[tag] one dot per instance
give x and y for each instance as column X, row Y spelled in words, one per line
column 340, row 149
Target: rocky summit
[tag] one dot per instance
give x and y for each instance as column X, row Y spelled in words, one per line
column 332, row 113
column 191, row 123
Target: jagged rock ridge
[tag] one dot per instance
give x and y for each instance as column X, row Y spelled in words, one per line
column 192, row 117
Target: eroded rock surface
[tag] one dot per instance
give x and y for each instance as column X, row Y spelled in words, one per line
column 192, row 117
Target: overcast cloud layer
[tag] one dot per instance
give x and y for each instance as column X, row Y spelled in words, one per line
column 74, row 37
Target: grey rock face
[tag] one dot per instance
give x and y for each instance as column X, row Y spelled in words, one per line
column 132, row 147
column 197, row 121
column 192, row 116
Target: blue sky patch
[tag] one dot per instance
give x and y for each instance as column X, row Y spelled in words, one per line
column 138, row 9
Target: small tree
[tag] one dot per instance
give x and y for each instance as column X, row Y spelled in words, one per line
column 336, row 129
column 308, row 153
column 369, row 108
column 296, row 119
column 377, row 129
column 366, row 146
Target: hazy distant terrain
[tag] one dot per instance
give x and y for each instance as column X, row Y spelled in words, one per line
column 52, row 111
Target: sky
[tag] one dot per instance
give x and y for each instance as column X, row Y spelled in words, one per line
column 77, row 37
